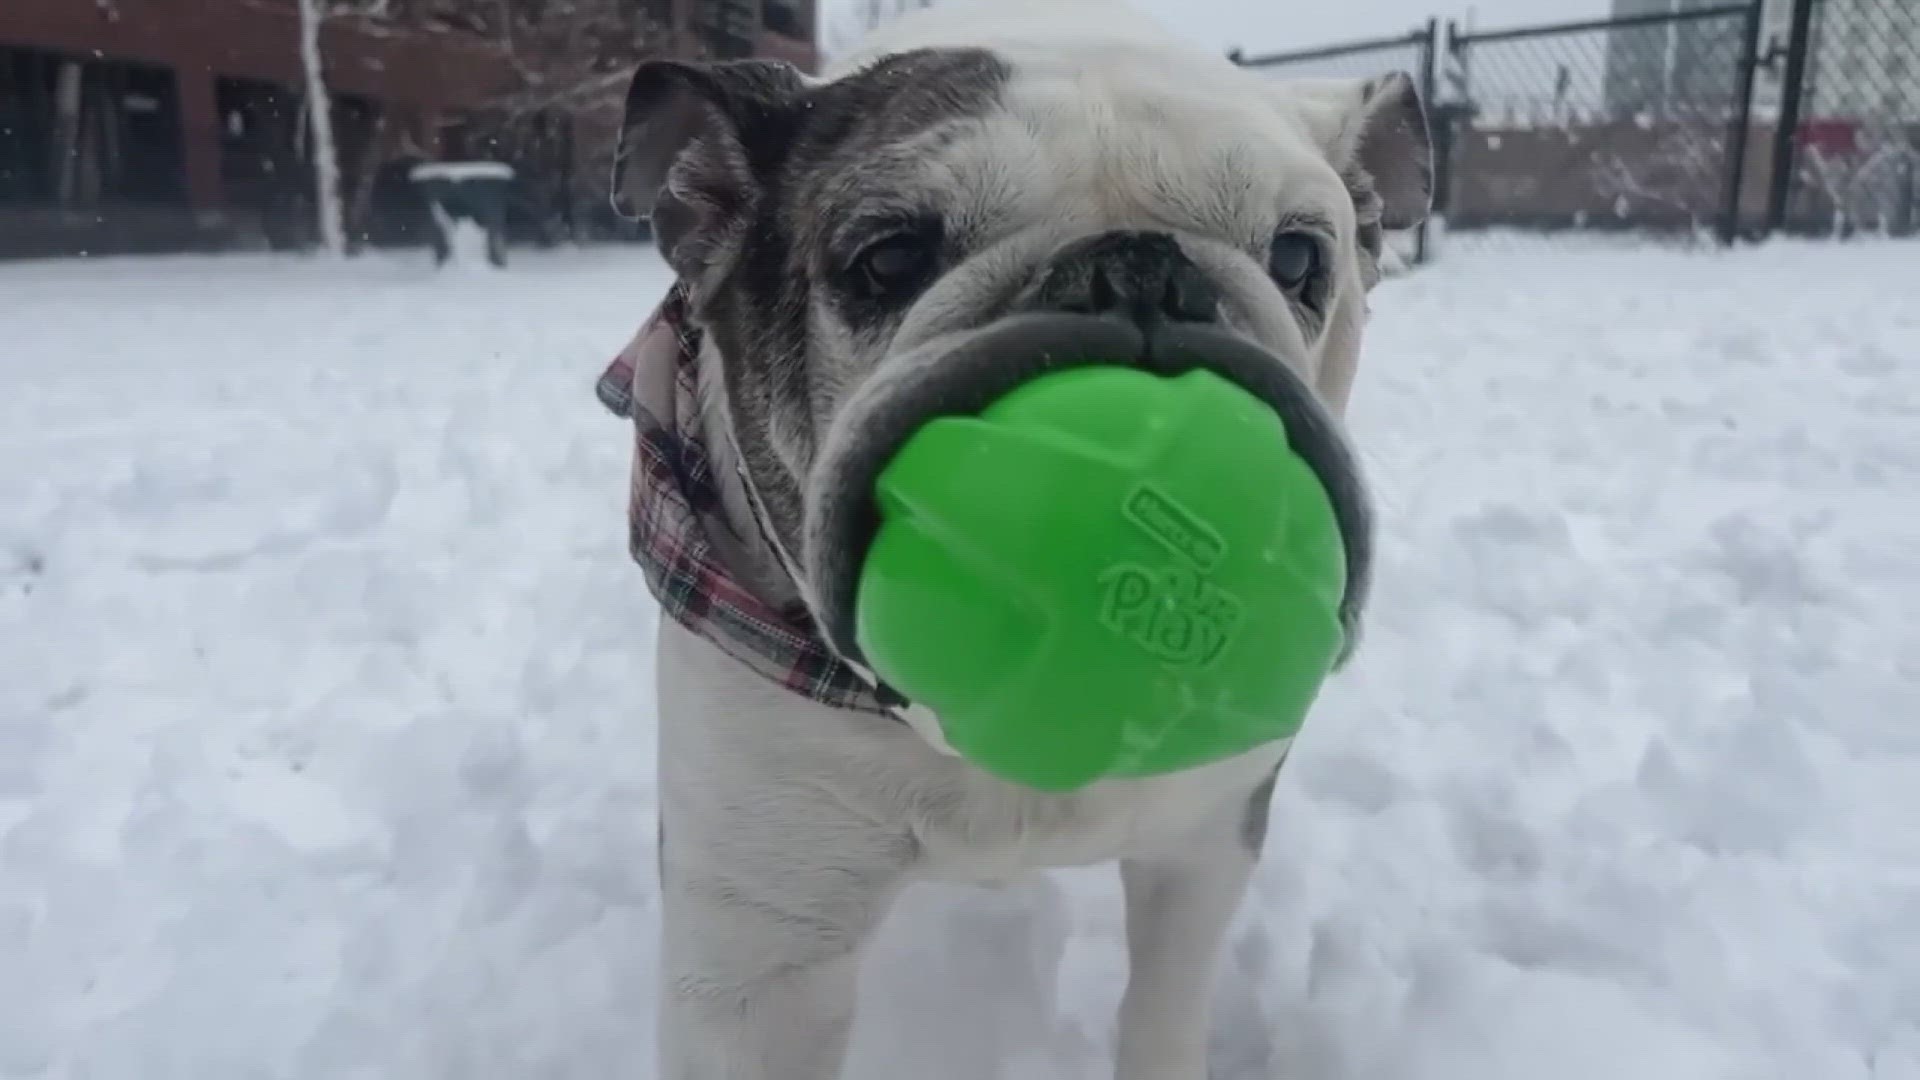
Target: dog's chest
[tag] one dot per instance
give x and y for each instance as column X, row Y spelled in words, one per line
column 734, row 746
column 979, row 830
column 970, row 826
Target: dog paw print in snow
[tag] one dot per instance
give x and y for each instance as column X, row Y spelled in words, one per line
column 24, row 571
column 1518, row 558
column 1505, row 523
column 1763, row 566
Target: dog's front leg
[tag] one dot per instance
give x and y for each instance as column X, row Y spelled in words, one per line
column 1179, row 905
column 763, row 936
column 758, row 1025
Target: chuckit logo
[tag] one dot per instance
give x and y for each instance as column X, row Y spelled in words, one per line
column 1174, row 614
column 1180, row 529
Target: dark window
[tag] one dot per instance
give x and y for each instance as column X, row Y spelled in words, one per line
column 786, row 18
column 88, row 132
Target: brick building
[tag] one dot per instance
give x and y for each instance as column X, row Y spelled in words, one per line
column 146, row 125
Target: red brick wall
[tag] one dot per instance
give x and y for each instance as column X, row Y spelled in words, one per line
column 418, row 75
column 202, row 39
column 1665, row 175
column 260, row 39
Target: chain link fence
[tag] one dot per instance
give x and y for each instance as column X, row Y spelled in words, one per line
column 1696, row 119
column 1847, row 138
column 1633, row 124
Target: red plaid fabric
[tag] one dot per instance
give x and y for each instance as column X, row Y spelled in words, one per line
column 680, row 535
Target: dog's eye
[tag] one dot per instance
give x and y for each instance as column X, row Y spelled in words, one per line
column 895, row 267
column 1294, row 260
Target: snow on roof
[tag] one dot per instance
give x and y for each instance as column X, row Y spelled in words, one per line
column 462, row 170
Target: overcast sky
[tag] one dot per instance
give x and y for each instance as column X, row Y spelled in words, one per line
column 1265, row 26
column 1262, row 26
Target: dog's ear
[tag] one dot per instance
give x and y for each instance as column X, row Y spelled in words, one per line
column 1375, row 132
column 696, row 143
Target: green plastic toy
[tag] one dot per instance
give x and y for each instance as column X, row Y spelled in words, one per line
column 1108, row 573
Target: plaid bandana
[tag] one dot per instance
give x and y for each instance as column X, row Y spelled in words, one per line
column 723, row 586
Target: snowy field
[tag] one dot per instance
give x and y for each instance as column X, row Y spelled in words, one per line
column 326, row 746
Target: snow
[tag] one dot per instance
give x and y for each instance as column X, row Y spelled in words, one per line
column 325, row 742
column 466, row 239
column 461, row 170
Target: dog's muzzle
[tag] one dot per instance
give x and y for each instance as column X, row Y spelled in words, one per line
column 1117, row 298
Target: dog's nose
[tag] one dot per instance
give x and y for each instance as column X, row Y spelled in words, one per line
column 1143, row 276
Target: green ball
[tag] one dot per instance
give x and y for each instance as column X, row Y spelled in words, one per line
column 1107, row 573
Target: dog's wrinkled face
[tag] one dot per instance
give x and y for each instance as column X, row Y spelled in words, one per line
column 843, row 239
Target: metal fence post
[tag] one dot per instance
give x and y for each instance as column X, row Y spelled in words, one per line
column 1429, row 96
column 1740, row 132
column 1793, row 86
column 1448, row 116
column 1904, row 221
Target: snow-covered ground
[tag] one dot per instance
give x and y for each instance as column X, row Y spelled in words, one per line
column 326, row 746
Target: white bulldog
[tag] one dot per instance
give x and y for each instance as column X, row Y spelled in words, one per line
column 914, row 233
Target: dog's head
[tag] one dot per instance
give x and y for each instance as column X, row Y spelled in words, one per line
column 970, row 202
